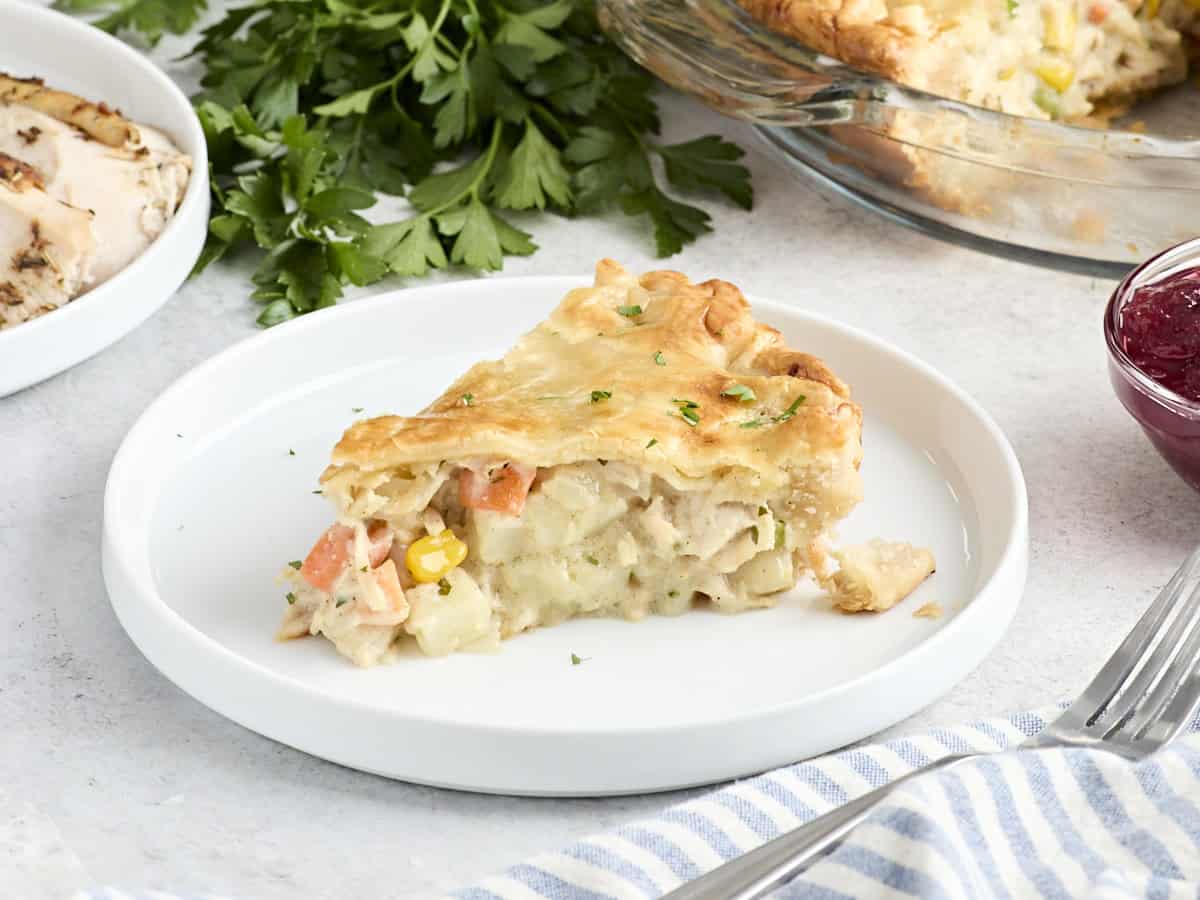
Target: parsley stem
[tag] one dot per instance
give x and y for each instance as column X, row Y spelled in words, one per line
column 552, row 120
column 472, row 189
column 355, row 146
column 441, row 18
column 394, row 82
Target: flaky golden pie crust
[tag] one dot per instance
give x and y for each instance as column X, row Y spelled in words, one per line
column 598, row 381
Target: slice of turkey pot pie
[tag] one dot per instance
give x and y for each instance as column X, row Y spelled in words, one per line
column 648, row 446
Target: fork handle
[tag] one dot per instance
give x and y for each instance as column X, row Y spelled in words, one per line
column 761, row 870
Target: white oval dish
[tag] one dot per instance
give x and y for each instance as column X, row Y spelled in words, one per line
column 211, row 493
column 73, row 56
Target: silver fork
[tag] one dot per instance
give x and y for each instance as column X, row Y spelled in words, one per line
column 1143, row 697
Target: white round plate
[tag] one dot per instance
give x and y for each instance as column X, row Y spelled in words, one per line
column 73, row 56
column 206, row 502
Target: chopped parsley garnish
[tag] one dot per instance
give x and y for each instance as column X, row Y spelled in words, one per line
column 782, row 417
column 363, row 569
column 291, row 452
column 687, row 409
column 467, row 399
column 291, row 598
column 791, row 410
column 659, row 359
column 341, row 601
column 295, row 564
column 653, row 441
column 576, row 659
column 762, row 510
column 597, row 396
column 630, row 311
column 444, row 587
column 357, row 409
column 318, row 491
column 780, row 534
column 592, row 559
column 754, row 533
column 739, row 392
column 672, row 593
column 1012, row 9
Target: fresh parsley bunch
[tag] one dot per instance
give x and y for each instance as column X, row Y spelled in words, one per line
column 468, row 108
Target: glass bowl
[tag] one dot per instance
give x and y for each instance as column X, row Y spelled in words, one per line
column 1170, row 421
column 1082, row 199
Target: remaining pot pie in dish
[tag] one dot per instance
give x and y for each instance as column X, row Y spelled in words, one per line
column 647, row 446
column 1043, row 59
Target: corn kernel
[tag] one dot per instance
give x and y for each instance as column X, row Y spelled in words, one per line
column 1060, row 24
column 1058, row 73
column 430, row 558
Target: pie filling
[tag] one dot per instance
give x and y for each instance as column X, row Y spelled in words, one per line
column 1044, row 59
column 461, row 555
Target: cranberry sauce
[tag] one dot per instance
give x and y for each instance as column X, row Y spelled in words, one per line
column 1159, row 329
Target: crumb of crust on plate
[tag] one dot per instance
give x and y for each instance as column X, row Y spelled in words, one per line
column 931, row 610
column 875, row 576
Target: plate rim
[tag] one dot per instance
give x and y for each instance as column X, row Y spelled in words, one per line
column 984, row 605
column 195, row 202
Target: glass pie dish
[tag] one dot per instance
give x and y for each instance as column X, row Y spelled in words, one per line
column 1083, row 199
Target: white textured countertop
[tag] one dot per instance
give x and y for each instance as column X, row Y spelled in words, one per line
column 146, row 788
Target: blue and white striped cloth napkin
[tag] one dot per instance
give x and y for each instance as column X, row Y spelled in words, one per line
column 1050, row 823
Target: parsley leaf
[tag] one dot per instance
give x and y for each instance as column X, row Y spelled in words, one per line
column 532, row 173
column 739, row 392
column 675, row 223
column 409, row 247
column 791, row 410
column 687, row 409
column 709, row 163
column 597, row 396
column 152, row 18
column 659, row 359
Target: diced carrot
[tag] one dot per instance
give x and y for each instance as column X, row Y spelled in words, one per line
column 328, row 557
column 1098, row 13
column 379, row 536
column 502, row 490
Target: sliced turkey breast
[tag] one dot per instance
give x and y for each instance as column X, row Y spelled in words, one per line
column 132, row 177
column 47, row 247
